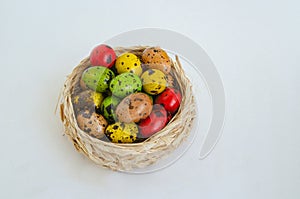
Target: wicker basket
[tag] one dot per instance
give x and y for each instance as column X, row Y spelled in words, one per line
column 125, row 157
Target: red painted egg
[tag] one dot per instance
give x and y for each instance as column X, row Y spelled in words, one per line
column 156, row 121
column 103, row 55
column 170, row 99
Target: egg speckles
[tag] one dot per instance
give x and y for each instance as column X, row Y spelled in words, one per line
column 125, row 84
column 122, row 132
column 129, row 62
column 87, row 99
column 91, row 123
column 157, row 58
column 108, row 108
column 134, row 107
column 98, row 78
column 154, row 81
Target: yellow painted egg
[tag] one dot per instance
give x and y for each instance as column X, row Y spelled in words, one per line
column 129, row 62
column 120, row 132
column 154, row 81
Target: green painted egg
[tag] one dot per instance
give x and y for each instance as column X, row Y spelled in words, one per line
column 98, row 78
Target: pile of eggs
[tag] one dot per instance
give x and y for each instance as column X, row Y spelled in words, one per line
column 126, row 99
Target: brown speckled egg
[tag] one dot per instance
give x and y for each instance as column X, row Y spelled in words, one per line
column 87, row 99
column 92, row 123
column 157, row 58
column 134, row 107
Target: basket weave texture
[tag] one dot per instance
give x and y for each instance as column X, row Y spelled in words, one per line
column 125, row 157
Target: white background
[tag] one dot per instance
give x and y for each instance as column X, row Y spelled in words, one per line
column 255, row 47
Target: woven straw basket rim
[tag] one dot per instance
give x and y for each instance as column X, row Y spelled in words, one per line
column 125, row 157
